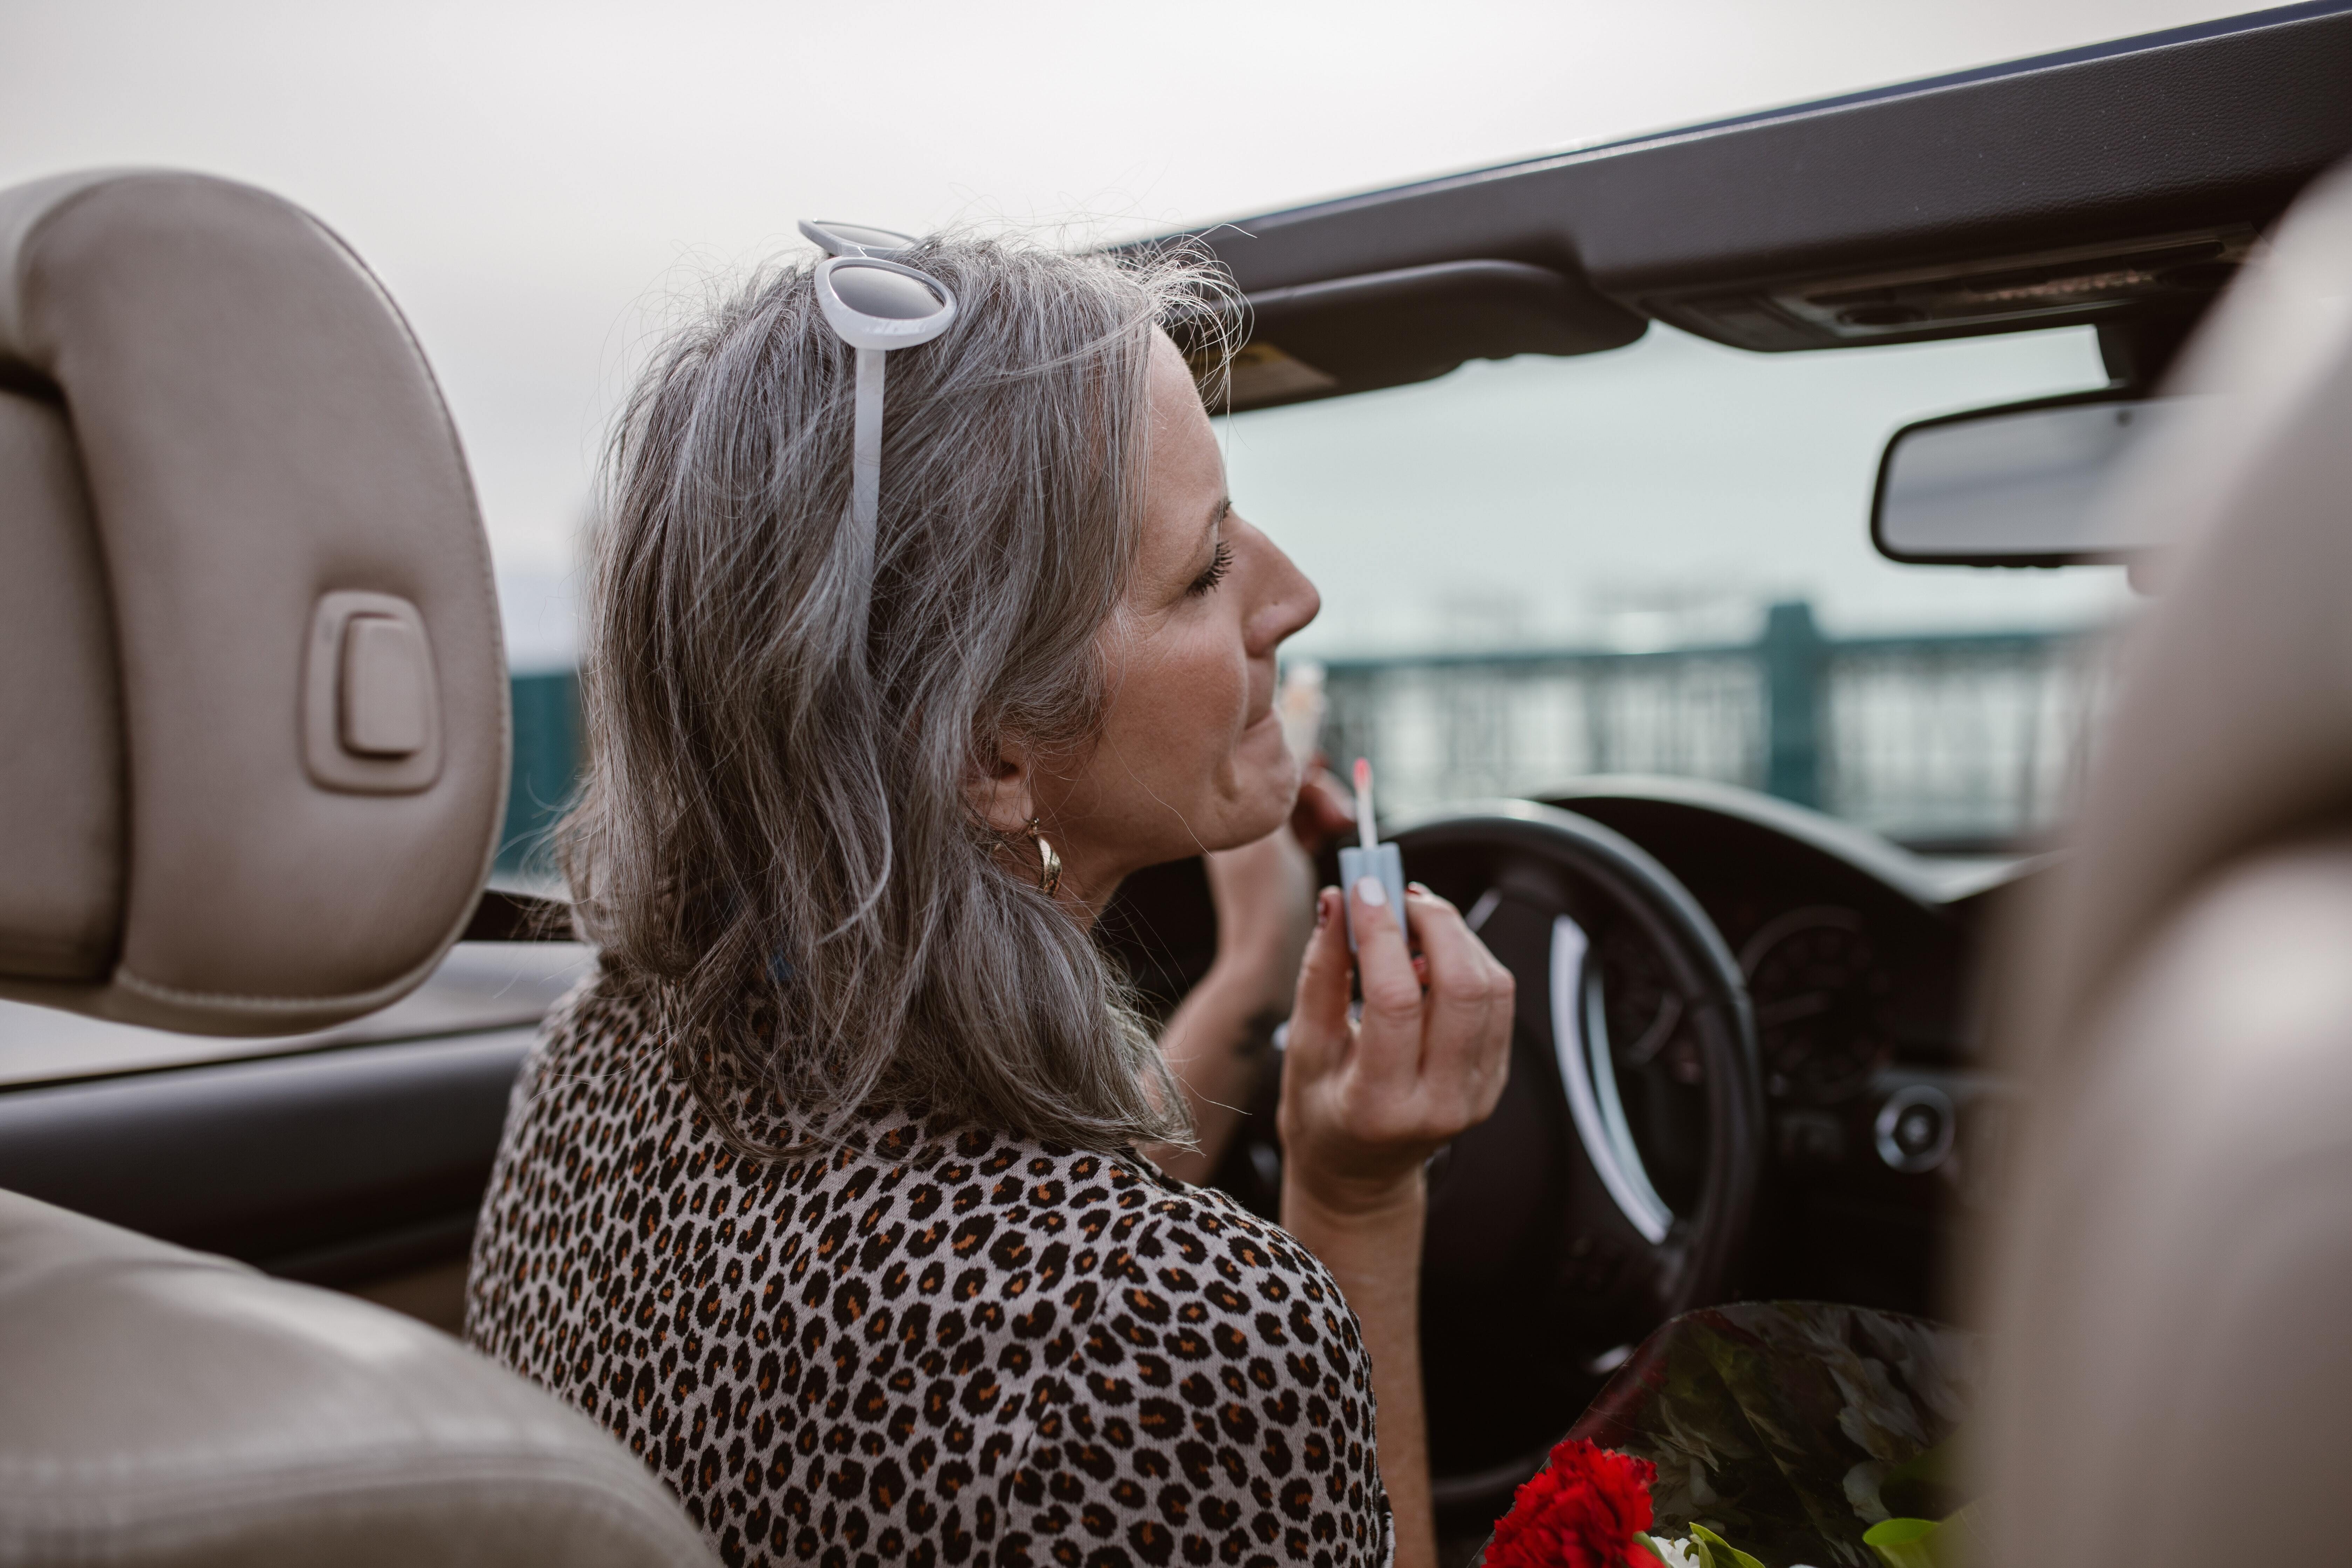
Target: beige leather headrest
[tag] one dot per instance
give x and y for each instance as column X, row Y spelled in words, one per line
column 253, row 721
column 2168, row 1268
column 2233, row 725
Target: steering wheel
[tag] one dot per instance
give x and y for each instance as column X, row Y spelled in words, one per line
column 1612, row 1186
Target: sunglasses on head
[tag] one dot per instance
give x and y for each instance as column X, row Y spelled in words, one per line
column 874, row 304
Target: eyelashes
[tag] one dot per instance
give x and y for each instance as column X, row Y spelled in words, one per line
column 1218, row 564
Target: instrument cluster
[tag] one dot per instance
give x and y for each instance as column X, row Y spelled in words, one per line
column 1820, row 996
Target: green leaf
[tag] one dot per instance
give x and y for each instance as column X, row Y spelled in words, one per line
column 1904, row 1543
column 1924, row 1542
column 1710, row 1542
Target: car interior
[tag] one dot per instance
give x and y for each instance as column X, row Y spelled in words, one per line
column 2089, row 1097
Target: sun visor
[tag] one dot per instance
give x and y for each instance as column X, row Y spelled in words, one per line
column 1388, row 328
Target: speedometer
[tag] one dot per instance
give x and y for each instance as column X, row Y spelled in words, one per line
column 1819, row 994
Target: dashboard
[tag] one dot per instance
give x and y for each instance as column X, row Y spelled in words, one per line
column 1860, row 960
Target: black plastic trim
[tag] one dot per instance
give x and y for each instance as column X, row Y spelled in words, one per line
column 2193, row 32
column 1414, row 324
column 2220, row 124
column 505, row 915
column 329, row 1166
column 1878, row 859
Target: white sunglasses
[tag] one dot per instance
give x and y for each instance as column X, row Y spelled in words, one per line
column 854, row 238
column 875, row 305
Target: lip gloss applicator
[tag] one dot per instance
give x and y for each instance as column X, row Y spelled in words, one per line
column 1371, row 857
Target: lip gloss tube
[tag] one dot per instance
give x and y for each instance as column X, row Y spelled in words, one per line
column 1370, row 858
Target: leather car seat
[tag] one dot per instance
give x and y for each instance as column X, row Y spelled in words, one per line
column 256, row 745
column 2171, row 1277
column 248, row 612
column 158, row 1406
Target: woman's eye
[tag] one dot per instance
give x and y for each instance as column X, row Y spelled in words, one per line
column 1218, row 564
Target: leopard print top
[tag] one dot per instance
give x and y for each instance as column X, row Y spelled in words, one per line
column 934, row 1345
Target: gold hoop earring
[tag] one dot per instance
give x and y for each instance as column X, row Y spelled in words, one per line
column 1049, row 864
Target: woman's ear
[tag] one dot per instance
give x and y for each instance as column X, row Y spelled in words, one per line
column 1000, row 787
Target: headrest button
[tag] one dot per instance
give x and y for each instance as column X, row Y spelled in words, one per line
column 385, row 702
column 370, row 696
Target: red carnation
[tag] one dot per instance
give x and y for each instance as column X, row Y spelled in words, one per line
column 1581, row 1510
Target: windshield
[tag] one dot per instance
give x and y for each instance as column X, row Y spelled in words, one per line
column 1657, row 560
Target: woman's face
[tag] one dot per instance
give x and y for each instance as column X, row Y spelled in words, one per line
column 1190, row 756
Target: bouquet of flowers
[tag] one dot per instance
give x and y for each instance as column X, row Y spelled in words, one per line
column 1805, row 1432
column 1589, row 1507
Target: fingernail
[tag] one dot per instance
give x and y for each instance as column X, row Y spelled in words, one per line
column 1369, row 889
column 1421, row 888
column 1322, row 912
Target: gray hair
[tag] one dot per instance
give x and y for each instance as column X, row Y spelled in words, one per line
column 774, row 838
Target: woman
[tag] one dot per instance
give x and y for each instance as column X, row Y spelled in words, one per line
column 822, row 1194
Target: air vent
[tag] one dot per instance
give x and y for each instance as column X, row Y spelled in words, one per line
column 2161, row 275
column 2076, row 282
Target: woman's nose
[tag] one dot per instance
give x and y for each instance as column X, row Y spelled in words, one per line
column 1291, row 601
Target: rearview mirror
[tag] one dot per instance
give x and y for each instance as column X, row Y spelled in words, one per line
column 2015, row 486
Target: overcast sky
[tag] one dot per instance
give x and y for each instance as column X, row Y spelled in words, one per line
column 537, row 183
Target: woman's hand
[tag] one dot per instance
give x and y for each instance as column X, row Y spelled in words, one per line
column 1365, row 1103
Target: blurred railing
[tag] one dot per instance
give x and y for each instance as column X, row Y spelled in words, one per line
column 1956, row 741
column 1967, row 740
column 546, row 760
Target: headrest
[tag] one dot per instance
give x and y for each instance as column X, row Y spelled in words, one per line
column 251, row 686
column 2233, row 725
column 2165, row 1269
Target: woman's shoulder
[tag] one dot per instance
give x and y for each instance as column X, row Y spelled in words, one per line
column 1204, row 1224
column 1117, row 1197
column 599, row 1002
column 1162, row 1280
column 600, row 1059
column 1105, row 1234
column 602, row 1021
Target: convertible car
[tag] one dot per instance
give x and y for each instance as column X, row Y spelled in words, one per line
column 2084, row 1095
